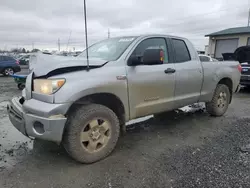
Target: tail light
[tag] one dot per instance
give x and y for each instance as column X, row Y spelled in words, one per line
column 239, row 68
column 17, row 62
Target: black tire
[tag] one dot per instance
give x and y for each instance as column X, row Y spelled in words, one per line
column 213, row 107
column 75, row 124
column 8, row 68
column 21, row 86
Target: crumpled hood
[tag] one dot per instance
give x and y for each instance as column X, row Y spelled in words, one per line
column 42, row 64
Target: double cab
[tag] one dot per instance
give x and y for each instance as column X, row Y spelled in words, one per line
column 84, row 102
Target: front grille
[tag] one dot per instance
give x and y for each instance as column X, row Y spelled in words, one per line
column 14, row 113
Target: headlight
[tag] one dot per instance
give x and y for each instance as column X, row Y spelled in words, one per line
column 47, row 86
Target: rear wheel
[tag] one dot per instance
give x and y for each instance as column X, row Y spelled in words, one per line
column 220, row 102
column 91, row 133
column 8, row 71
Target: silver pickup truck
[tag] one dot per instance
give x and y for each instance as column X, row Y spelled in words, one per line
column 86, row 107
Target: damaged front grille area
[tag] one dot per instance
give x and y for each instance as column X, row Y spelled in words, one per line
column 14, row 113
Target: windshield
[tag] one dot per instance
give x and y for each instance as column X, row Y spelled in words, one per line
column 109, row 49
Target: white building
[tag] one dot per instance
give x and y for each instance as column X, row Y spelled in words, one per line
column 226, row 41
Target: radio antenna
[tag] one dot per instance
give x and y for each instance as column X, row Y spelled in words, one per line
column 86, row 34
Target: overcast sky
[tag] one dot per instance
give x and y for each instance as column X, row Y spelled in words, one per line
column 42, row 22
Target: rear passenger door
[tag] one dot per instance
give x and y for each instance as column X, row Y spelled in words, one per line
column 189, row 76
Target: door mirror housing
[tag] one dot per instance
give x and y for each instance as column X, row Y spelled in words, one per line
column 134, row 60
column 150, row 57
column 153, row 57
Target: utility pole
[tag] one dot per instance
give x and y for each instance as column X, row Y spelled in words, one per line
column 108, row 33
column 248, row 23
column 32, row 45
column 86, row 33
column 69, row 40
column 59, row 44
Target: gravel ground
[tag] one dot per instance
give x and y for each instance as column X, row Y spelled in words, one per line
column 189, row 149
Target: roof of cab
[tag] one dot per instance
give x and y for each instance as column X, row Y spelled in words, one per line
column 150, row 35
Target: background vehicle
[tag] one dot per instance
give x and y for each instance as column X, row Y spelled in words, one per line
column 86, row 106
column 245, row 77
column 206, row 58
column 242, row 54
column 24, row 60
column 9, row 65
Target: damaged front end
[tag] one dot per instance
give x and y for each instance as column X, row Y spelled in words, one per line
column 36, row 114
column 43, row 65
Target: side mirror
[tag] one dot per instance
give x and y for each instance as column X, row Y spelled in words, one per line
column 134, row 60
column 153, row 57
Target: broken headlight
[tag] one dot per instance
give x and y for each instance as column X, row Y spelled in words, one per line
column 48, row 86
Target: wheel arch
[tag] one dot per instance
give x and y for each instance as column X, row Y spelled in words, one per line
column 107, row 99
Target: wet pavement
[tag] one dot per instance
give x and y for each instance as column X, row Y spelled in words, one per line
column 189, row 149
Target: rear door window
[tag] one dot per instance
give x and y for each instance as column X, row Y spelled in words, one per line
column 181, row 51
column 7, row 58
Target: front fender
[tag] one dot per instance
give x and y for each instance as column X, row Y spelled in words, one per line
column 78, row 86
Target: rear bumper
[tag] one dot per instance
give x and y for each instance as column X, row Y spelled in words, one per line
column 33, row 125
column 17, row 69
column 238, row 88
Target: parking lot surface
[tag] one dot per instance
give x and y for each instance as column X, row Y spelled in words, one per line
column 188, row 149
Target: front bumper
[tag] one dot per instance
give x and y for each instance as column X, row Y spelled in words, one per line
column 46, row 123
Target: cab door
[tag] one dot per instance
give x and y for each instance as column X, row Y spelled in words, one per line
column 151, row 87
column 189, row 73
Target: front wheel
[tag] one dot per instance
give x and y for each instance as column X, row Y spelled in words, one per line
column 21, row 86
column 91, row 133
column 220, row 102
